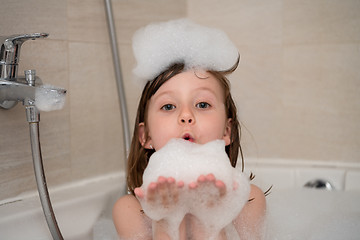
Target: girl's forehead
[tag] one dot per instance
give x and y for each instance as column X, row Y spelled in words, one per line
column 190, row 80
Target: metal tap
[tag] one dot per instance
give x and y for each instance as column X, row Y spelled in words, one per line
column 12, row 87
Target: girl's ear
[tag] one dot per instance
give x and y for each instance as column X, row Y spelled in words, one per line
column 227, row 132
column 144, row 141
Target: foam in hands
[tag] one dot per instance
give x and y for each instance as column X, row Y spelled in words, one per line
column 186, row 161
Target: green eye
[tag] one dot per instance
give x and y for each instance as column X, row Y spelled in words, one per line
column 203, row 105
column 168, row 107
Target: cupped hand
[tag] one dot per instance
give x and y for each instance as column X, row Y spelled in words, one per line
column 210, row 189
column 164, row 192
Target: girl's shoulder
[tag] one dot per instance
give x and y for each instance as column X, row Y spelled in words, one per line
column 251, row 218
column 256, row 205
column 125, row 206
column 127, row 199
column 257, row 194
column 128, row 217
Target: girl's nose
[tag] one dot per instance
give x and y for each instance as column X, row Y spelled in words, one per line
column 186, row 117
column 187, row 120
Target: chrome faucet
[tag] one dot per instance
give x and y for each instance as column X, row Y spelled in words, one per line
column 12, row 87
column 10, row 53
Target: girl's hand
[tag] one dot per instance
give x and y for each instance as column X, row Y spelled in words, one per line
column 208, row 195
column 160, row 203
column 164, row 192
column 214, row 189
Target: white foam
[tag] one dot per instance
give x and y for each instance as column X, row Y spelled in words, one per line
column 159, row 45
column 186, row 161
column 49, row 98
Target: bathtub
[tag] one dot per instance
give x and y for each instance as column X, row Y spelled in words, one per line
column 83, row 209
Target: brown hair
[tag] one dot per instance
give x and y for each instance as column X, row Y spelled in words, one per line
column 139, row 156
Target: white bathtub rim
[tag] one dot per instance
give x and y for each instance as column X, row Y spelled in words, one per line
column 65, row 187
column 250, row 165
column 298, row 163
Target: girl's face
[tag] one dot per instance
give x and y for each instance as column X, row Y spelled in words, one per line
column 187, row 107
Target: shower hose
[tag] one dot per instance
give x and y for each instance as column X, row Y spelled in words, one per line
column 33, row 117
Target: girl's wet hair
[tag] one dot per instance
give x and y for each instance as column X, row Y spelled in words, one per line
column 139, row 156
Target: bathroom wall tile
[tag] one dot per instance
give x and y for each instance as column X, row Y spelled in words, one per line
column 309, row 123
column 96, row 134
column 326, row 74
column 303, row 21
column 246, row 22
column 19, row 17
column 342, row 20
column 320, row 94
column 129, row 16
column 87, row 20
column 257, row 92
column 133, row 87
column 50, row 60
column 321, row 21
column 16, row 168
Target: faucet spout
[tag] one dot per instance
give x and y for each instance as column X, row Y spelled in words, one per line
column 16, row 91
column 31, row 92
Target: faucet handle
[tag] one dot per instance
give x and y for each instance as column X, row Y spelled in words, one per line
column 12, row 44
column 20, row 38
column 10, row 53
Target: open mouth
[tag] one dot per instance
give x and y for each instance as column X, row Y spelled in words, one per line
column 188, row 137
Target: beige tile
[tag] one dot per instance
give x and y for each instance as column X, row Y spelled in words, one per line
column 303, row 21
column 50, row 60
column 321, row 21
column 246, row 22
column 342, row 21
column 132, row 88
column 96, row 134
column 257, row 91
column 34, row 16
column 16, row 159
column 302, row 81
column 131, row 15
column 15, row 153
column 87, row 20
column 319, row 82
column 339, row 67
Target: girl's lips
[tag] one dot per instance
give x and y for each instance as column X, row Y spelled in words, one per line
column 188, row 137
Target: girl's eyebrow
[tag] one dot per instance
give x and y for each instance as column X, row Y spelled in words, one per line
column 207, row 90
column 156, row 96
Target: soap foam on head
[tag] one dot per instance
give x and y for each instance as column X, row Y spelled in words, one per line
column 186, row 161
column 49, row 98
column 159, row 45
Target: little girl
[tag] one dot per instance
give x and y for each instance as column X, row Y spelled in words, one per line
column 187, row 95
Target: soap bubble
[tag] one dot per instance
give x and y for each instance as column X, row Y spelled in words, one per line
column 159, row 45
column 49, row 98
column 186, row 161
